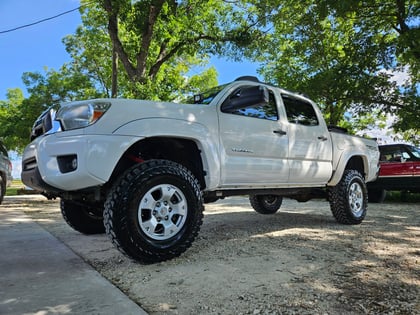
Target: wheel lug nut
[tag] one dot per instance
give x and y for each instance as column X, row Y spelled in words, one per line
column 165, row 203
column 158, row 204
column 166, row 218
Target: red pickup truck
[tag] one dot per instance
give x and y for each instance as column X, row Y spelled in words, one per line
column 400, row 170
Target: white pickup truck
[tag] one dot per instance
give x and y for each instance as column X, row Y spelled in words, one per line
column 142, row 170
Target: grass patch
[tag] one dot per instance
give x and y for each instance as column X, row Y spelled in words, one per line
column 16, row 185
column 402, row 196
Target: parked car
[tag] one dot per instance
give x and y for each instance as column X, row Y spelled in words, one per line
column 5, row 171
column 400, row 171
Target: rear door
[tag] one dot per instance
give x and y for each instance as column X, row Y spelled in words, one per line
column 310, row 147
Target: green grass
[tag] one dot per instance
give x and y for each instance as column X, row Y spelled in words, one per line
column 398, row 196
column 14, row 187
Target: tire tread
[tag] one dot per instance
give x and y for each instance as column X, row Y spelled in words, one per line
column 114, row 210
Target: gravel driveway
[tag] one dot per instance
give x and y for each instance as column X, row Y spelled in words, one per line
column 298, row 261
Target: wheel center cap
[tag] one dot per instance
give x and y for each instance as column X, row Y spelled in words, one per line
column 163, row 211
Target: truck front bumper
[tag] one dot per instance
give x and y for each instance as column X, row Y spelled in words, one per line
column 57, row 163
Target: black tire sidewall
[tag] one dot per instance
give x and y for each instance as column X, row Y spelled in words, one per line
column 358, row 180
column 138, row 191
column 376, row 195
column 339, row 198
column 122, row 206
column 79, row 217
column 259, row 203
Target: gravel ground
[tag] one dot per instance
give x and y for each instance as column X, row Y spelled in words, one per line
column 298, row 261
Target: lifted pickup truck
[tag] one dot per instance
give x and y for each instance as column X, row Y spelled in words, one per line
column 142, row 170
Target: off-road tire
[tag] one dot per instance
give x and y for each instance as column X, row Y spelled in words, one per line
column 376, row 195
column 2, row 188
column 82, row 217
column 154, row 211
column 208, row 199
column 266, row 204
column 348, row 199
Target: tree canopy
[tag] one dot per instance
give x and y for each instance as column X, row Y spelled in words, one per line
column 344, row 55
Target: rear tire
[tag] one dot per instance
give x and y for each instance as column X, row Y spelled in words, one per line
column 85, row 218
column 266, row 204
column 348, row 200
column 154, row 211
column 376, row 195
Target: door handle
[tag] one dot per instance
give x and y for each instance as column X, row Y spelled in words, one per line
column 280, row 132
column 322, row 138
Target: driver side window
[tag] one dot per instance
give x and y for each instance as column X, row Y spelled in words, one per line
column 262, row 111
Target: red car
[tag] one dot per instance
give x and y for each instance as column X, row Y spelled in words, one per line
column 400, row 170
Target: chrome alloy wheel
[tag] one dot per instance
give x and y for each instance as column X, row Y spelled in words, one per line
column 162, row 212
column 356, row 199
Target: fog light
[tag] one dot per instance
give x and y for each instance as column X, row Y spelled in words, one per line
column 67, row 163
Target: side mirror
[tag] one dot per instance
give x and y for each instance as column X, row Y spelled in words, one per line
column 198, row 98
column 246, row 97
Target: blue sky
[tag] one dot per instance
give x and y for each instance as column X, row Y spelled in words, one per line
column 33, row 48
column 40, row 46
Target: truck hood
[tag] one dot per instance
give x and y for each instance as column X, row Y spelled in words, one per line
column 124, row 112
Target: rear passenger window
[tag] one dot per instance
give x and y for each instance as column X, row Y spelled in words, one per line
column 299, row 112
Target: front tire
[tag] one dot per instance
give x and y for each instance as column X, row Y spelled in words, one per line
column 82, row 217
column 266, row 204
column 154, row 211
column 348, row 199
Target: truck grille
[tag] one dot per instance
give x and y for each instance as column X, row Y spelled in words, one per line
column 44, row 123
column 29, row 164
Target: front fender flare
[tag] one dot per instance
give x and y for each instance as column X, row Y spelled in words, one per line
column 205, row 138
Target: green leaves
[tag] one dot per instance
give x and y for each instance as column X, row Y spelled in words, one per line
column 340, row 54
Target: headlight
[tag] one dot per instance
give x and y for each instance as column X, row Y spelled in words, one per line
column 81, row 115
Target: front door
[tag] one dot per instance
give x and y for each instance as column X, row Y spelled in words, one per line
column 254, row 145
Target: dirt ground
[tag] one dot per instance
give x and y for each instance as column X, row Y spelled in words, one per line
column 298, row 261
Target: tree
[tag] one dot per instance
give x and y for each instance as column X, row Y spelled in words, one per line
column 339, row 57
column 396, row 20
column 17, row 114
column 152, row 38
column 170, row 57
column 398, row 23
column 11, row 127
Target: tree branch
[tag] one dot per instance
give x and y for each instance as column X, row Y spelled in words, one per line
column 146, row 37
column 113, row 34
column 165, row 55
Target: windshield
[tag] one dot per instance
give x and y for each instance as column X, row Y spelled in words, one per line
column 206, row 97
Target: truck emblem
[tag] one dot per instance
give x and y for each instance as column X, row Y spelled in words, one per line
column 242, row 150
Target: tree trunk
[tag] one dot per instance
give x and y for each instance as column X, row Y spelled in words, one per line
column 114, row 88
